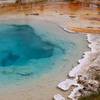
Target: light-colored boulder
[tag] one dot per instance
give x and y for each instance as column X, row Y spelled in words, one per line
column 75, row 93
column 58, row 97
column 65, row 85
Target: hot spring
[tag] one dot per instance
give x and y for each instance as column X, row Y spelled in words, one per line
column 31, row 51
column 35, row 55
column 23, row 53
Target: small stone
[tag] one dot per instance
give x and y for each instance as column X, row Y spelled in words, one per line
column 58, row 97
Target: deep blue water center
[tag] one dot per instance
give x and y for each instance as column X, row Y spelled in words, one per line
column 19, row 44
column 25, row 54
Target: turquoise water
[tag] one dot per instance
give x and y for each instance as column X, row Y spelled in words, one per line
column 24, row 53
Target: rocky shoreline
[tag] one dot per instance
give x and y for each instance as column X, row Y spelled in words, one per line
column 83, row 76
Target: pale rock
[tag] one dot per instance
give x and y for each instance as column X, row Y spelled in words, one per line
column 58, row 97
column 65, row 85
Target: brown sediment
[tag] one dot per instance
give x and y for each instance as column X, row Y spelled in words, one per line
column 80, row 11
column 62, row 7
column 86, row 30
